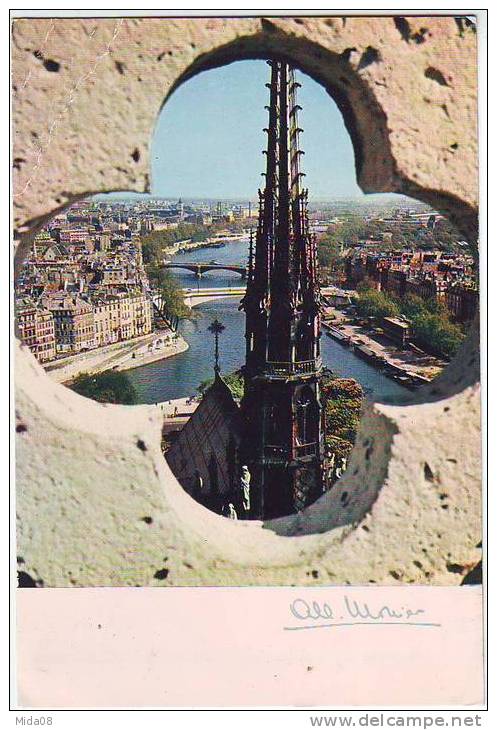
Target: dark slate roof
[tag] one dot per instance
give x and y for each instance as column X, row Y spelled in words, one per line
column 204, row 456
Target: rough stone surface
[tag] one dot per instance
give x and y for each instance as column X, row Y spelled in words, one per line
column 96, row 502
column 87, row 94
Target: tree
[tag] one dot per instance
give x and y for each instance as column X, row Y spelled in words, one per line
column 437, row 334
column 412, row 305
column 431, row 325
column 154, row 243
column 337, row 446
column 377, row 304
column 342, row 399
column 234, row 381
column 109, row 386
column 367, row 284
column 329, row 255
column 166, row 286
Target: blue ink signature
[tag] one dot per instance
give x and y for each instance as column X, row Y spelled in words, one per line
column 319, row 615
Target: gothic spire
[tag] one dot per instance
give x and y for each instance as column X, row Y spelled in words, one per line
column 284, row 275
column 283, row 442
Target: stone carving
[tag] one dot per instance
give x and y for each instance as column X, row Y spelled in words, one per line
column 78, row 457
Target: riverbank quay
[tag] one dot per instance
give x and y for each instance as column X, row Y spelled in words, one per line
column 159, row 350
column 171, row 409
column 173, row 413
column 212, row 242
column 410, row 367
column 126, row 355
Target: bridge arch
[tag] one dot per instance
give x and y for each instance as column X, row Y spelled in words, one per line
column 200, row 268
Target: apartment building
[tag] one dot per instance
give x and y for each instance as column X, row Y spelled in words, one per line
column 462, row 301
column 37, row 330
column 74, row 323
column 121, row 316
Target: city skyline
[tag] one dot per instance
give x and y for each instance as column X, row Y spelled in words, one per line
column 378, row 199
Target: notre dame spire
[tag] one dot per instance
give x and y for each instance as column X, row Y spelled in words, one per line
column 282, row 441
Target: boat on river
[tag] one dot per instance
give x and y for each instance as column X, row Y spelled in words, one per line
column 337, row 335
column 366, row 354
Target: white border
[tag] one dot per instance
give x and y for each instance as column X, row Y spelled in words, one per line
column 266, row 717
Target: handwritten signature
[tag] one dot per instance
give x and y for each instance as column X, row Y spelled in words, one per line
column 350, row 612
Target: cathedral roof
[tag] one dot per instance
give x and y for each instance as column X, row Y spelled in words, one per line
column 203, row 456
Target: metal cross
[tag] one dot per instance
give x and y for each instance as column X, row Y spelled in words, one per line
column 216, row 328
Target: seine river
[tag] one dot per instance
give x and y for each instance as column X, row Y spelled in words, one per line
column 180, row 375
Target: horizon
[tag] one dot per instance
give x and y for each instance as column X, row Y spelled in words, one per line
column 363, row 199
column 209, row 139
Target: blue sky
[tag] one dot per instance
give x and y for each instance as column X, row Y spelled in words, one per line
column 208, row 140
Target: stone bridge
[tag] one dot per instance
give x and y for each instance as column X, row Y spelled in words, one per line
column 194, row 297
column 199, row 269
